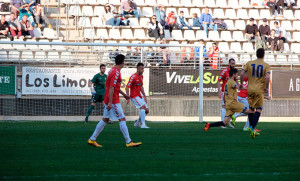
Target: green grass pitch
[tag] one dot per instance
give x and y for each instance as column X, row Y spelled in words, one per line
column 170, row 151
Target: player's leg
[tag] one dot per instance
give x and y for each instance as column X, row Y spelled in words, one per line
column 142, row 105
column 143, row 116
column 91, row 107
column 220, row 123
column 223, row 110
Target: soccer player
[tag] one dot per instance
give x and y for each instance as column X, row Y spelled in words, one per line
column 259, row 78
column 224, row 76
column 113, row 108
column 230, row 98
column 135, row 85
column 97, row 90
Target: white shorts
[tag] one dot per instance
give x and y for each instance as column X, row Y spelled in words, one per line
column 139, row 102
column 223, row 102
column 243, row 100
column 115, row 113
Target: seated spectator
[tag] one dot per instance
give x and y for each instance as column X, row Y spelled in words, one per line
column 163, row 54
column 275, row 43
column 113, row 53
column 214, row 56
column 181, row 21
column 32, row 4
column 187, row 54
column 15, row 5
column 24, row 10
column 289, row 4
column 196, row 20
column 251, row 30
column 129, row 53
column 40, row 17
column 155, row 29
column 160, row 14
column 272, row 4
column 4, row 28
column 207, row 21
column 150, row 54
column 14, row 26
column 264, row 30
column 171, row 19
column 129, row 7
column 108, row 16
column 197, row 50
column 280, row 32
column 26, row 27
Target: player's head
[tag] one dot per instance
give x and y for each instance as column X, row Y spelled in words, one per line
column 120, row 60
column 233, row 73
column 231, row 63
column 140, row 68
column 102, row 68
column 260, row 53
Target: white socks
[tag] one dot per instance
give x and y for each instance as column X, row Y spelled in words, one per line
column 143, row 116
column 247, row 124
column 239, row 114
column 98, row 130
column 223, row 113
column 124, row 130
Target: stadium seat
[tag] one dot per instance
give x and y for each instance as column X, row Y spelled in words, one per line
column 272, row 24
column 242, row 14
column 294, row 58
column 127, row 34
column 40, row 56
column 84, row 22
column 164, row 2
column 233, row 3
column 288, row 36
column 244, row 4
column 235, row 57
column 176, row 49
column 265, row 13
column 139, row 34
column 167, row 34
column 197, row 3
column 45, row 47
column 230, row 14
column 102, row 34
column 297, row 14
column 96, row 22
column 177, row 35
column 57, row 47
column 296, row 25
column 221, row 3
column 148, row 11
column 208, row 45
column 52, row 56
column 269, row 57
column 240, row 24
column 185, row 10
column 223, row 47
column 114, row 34
column 226, row 36
column 14, row 55
column 37, row 33
column 139, row 2
column 245, row 58
column 98, row 10
column 248, row 47
column 144, row 22
column 32, row 47
column 75, row 11
column 295, row 47
column 230, row 24
column 201, row 34
column 92, row 2
column 238, row 36
column 18, row 46
column 134, row 22
column 150, row 2
column 185, row 3
column 253, row 13
column 213, row 35
column 115, row 2
column 286, row 25
column 296, row 36
column 79, row 1
column 281, row 58
column 218, row 13
column 288, row 14
column 195, row 10
column 27, row 56
column 66, row 56
column 189, row 35
column 175, row 3
column 209, row 3
column 49, row 33
column 236, row 47
column 286, row 47
column 168, row 10
column 87, row 11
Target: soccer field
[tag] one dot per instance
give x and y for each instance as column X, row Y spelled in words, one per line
column 170, row 151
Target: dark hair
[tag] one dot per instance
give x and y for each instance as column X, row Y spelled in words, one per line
column 153, row 16
column 201, row 40
column 181, row 12
column 231, row 59
column 102, row 65
column 119, row 59
column 276, row 22
column 232, row 72
column 260, row 53
column 214, row 43
column 139, row 64
column 106, row 11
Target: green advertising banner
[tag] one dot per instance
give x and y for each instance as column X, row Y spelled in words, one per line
column 8, row 80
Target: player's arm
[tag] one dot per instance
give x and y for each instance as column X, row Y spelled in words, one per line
column 242, row 78
column 128, row 93
column 143, row 92
column 110, row 96
column 124, row 95
column 267, row 82
column 219, row 84
column 92, row 82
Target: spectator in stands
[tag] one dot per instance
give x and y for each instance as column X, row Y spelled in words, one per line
column 273, row 5
column 197, row 50
column 171, row 19
column 160, row 14
column 24, row 10
column 129, row 7
column 155, row 29
column 280, row 32
column 15, row 5
column 113, row 53
column 187, row 54
column 207, row 21
column 4, row 28
column 108, row 16
column 32, row 4
column 163, row 54
column 129, row 53
column 264, row 30
column 251, row 30
column 214, row 55
column 275, row 43
column 40, row 16
column 150, row 54
column 181, row 21
column 14, row 26
column 289, row 4
column 26, row 27
column 196, row 20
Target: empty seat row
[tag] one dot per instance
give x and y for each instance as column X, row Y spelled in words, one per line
column 33, row 47
column 35, row 56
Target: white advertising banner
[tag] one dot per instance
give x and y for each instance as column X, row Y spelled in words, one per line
column 67, row 81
